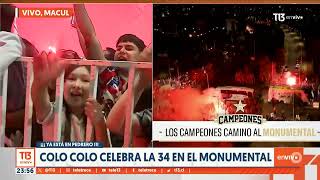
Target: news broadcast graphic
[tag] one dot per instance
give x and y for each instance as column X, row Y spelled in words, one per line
column 186, row 131
column 25, row 157
column 25, row 161
column 63, row 159
column 57, row 58
column 44, row 12
column 236, row 75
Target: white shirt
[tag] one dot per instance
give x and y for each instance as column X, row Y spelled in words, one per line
column 77, row 126
column 10, row 49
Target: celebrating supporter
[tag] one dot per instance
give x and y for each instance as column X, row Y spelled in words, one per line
column 129, row 48
column 141, row 120
column 78, row 106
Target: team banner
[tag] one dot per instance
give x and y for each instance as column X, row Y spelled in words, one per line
column 237, row 129
column 90, row 158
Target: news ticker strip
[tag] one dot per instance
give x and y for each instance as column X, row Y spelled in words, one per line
column 141, row 170
column 228, row 131
column 73, row 144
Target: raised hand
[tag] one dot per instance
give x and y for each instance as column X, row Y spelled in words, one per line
column 47, row 68
column 93, row 111
column 146, row 56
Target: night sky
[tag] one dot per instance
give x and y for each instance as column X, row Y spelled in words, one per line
column 191, row 36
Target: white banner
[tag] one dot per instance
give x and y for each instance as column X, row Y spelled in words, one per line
column 211, row 131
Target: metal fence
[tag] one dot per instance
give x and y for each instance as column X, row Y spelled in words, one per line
column 94, row 72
